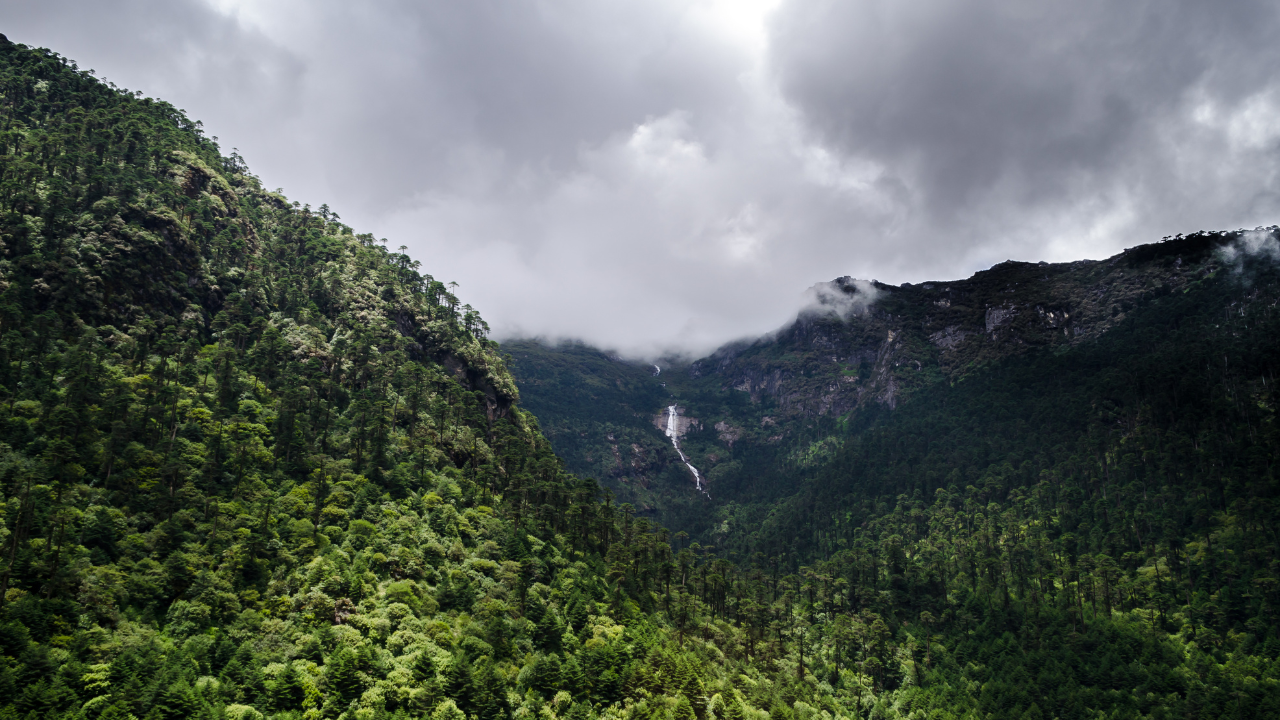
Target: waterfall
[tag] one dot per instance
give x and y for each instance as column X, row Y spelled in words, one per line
column 673, row 432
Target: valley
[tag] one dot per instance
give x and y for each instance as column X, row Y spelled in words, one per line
column 254, row 465
column 785, row 404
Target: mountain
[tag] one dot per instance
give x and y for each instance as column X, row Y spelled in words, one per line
column 783, row 404
column 605, row 416
column 1097, row 436
column 253, row 464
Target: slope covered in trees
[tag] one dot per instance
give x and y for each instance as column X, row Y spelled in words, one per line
column 598, row 412
column 1110, row 454
column 255, row 465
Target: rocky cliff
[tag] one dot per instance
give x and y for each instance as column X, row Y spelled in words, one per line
column 781, row 400
column 901, row 339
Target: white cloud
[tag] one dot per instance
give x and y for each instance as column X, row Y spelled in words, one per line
column 671, row 174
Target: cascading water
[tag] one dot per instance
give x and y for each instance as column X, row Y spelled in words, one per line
column 673, row 432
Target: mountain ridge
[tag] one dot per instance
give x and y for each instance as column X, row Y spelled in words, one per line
column 868, row 342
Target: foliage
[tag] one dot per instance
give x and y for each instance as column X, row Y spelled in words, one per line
column 1047, row 494
column 599, row 412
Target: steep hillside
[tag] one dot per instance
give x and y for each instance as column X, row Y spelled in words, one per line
column 1030, row 454
column 875, row 343
column 593, row 400
column 597, row 411
column 782, row 403
column 1189, row 355
column 253, row 463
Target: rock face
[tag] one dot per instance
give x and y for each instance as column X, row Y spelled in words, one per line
column 683, row 424
column 997, row 316
column 949, row 337
column 902, row 339
column 727, row 433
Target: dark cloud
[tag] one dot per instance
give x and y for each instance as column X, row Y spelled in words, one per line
column 671, row 174
column 1008, row 107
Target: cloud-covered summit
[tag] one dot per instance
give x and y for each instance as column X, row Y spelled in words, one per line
column 665, row 176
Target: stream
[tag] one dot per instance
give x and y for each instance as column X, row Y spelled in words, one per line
column 673, row 432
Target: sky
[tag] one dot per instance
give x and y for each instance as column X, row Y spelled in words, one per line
column 664, row 176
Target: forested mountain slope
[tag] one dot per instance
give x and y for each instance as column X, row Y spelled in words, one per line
column 770, row 411
column 598, row 411
column 255, row 465
column 1096, row 437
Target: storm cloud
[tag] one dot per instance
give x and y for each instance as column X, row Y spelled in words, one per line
column 666, row 176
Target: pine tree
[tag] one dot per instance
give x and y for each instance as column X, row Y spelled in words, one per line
column 424, row 667
column 176, row 701
column 576, row 612
column 548, row 632
column 683, row 709
column 490, row 693
column 546, row 676
column 286, row 692
column 342, row 675
column 458, row 681
column 572, row 679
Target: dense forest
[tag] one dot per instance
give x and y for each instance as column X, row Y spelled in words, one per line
column 256, row 465
column 598, row 411
column 1038, row 508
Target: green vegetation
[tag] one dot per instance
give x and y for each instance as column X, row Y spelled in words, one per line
column 255, row 465
column 1058, row 523
column 599, row 413
column 593, row 401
